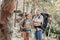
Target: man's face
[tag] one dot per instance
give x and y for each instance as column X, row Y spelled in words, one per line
column 37, row 12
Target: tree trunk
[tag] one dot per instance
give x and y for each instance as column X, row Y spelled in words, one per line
column 7, row 9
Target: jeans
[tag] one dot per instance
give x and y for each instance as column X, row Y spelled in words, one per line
column 38, row 34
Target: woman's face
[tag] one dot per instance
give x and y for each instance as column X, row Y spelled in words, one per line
column 27, row 17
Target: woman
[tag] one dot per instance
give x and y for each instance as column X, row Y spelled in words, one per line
column 26, row 26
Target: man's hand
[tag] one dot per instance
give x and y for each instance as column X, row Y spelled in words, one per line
column 36, row 23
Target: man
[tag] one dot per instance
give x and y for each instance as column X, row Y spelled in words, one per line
column 38, row 22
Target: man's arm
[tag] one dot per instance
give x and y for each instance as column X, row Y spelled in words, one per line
column 42, row 19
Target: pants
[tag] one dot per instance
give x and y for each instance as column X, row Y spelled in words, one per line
column 38, row 34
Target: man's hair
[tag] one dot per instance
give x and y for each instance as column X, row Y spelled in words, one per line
column 37, row 9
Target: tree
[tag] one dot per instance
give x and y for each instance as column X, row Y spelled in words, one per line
column 7, row 9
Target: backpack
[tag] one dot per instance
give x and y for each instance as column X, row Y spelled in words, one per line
column 45, row 23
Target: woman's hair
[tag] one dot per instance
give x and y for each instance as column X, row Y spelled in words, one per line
column 23, row 24
column 26, row 14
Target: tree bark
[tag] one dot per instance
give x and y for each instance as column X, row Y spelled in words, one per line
column 7, row 9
